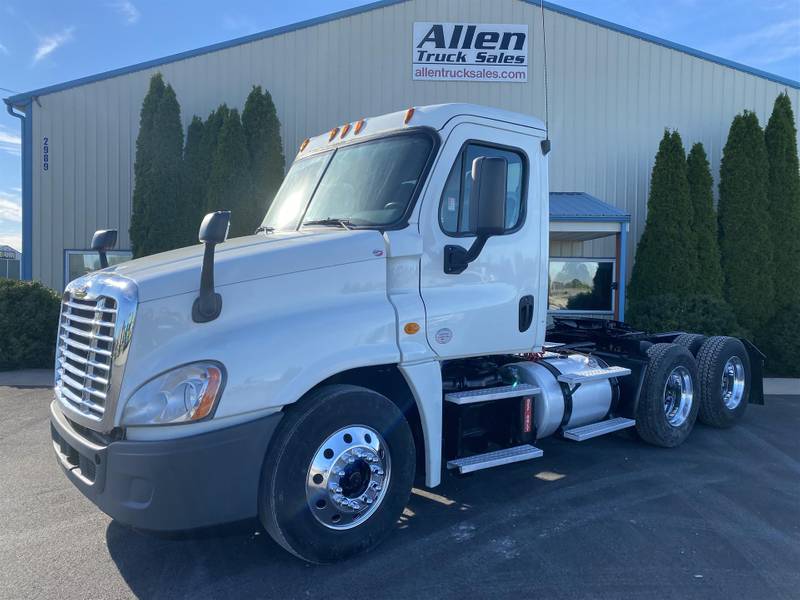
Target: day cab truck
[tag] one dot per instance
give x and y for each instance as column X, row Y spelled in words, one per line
column 387, row 321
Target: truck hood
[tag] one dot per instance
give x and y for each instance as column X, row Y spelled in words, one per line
column 251, row 257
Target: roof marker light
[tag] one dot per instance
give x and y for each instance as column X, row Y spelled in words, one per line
column 359, row 126
column 409, row 114
column 333, row 133
column 345, row 129
column 304, row 144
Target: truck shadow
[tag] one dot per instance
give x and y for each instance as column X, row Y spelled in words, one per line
column 241, row 559
column 462, row 531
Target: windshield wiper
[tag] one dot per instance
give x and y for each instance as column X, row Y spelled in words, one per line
column 265, row 229
column 343, row 223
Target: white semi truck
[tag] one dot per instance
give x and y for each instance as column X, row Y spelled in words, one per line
column 387, row 321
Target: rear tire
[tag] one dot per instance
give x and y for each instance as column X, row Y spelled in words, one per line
column 338, row 473
column 668, row 404
column 691, row 341
column 725, row 377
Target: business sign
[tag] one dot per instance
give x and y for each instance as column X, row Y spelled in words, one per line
column 470, row 52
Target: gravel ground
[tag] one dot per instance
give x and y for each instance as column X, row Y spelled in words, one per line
column 611, row 517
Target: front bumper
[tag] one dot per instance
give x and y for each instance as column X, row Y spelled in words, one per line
column 169, row 485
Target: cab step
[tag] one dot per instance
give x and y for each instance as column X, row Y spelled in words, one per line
column 587, row 432
column 588, row 375
column 496, row 393
column 494, row 459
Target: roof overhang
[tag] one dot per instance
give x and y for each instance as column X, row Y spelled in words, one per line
column 24, row 98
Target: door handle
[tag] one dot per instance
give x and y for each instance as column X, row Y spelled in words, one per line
column 525, row 313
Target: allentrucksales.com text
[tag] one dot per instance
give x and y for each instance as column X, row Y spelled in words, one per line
column 463, row 73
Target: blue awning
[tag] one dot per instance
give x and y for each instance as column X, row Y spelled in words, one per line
column 580, row 206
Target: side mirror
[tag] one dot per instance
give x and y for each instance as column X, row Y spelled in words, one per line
column 487, row 211
column 213, row 230
column 487, row 199
column 104, row 240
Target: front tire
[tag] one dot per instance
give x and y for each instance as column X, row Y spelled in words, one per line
column 338, row 473
column 669, row 403
column 725, row 377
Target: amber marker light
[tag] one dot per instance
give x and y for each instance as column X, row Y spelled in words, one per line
column 333, row 133
column 359, row 126
column 409, row 114
column 345, row 129
column 209, row 394
column 411, row 328
column 304, row 144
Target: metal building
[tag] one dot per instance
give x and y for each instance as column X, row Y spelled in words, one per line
column 612, row 91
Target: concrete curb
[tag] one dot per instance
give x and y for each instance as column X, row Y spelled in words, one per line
column 39, row 378
column 774, row 386
column 33, row 378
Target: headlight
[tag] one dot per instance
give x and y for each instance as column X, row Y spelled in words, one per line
column 188, row 393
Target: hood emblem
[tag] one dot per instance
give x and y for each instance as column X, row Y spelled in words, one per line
column 377, row 252
column 81, row 292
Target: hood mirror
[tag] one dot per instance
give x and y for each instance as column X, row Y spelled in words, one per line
column 104, row 240
column 213, row 230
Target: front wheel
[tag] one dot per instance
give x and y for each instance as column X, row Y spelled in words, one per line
column 338, row 473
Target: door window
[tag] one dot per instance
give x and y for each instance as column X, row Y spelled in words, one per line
column 454, row 208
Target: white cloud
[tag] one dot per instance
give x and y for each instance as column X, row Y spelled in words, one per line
column 128, row 11
column 239, row 24
column 10, row 219
column 50, row 43
column 10, row 210
column 3, row 49
column 11, row 238
column 10, row 143
column 769, row 44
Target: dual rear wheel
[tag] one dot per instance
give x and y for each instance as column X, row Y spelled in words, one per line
column 693, row 378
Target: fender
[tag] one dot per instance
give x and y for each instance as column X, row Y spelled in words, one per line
column 425, row 381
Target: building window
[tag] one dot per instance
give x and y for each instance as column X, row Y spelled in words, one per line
column 454, row 210
column 581, row 285
column 81, row 262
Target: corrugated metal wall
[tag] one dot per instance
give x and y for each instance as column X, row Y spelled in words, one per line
column 611, row 96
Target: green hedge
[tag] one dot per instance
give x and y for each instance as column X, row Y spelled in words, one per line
column 28, row 325
column 781, row 342
column 695, row 314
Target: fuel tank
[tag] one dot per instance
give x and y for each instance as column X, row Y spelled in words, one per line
column 590, row 403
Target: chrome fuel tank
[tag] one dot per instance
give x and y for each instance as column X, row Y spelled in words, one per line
column 590, row 403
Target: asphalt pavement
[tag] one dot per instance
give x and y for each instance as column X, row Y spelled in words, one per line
column 718, row 517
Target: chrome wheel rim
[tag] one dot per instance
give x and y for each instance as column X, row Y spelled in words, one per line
column 678, row 395
column 733, row 380
column 348, row 477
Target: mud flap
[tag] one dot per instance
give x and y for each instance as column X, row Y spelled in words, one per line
column 756, row 372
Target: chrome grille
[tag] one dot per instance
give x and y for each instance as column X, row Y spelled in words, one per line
column 84, row 353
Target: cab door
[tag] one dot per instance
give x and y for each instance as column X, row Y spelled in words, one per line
column 498, row 304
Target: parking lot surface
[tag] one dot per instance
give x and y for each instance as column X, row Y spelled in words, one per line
column 718, row 517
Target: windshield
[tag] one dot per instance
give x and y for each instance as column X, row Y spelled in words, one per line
column 368, row 184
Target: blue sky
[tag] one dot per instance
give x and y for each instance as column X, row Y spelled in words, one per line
column 48, row 42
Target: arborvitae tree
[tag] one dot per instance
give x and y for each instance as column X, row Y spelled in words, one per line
column 744, row 224
column 144, row 186
column 157, row 172
column 208, row 146
column 195, row 170
column 709, row 270
column 229, row 186
column 783, row 193
column 666, row 260
column 263, row 132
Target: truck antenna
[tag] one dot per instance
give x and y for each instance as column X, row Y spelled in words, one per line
column 546, row 140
